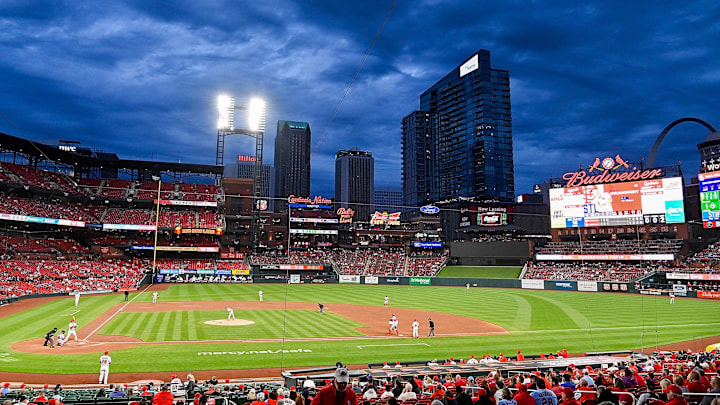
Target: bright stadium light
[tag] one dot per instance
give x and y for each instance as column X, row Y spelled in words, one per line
column 256, row 115
column 226, row 112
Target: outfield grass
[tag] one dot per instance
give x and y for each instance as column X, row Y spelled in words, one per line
column 481, row 271
column 539, row 321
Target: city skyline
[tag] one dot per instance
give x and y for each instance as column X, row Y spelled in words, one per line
column 140, row 79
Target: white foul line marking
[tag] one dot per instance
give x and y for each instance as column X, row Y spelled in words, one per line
column 113, row 315
column 394, row 344
column 72, row 313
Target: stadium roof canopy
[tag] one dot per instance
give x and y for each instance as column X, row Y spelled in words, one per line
column 41, row 152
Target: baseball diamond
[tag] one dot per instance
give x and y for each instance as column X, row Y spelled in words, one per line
column 145, row 338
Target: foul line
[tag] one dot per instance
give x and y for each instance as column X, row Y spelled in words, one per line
column 113, row 315
column 395, row 344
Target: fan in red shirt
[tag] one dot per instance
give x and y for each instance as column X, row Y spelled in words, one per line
column 568, row 397
column 522, row 397
column 674, row 394
column 337, row 392
column 164, row 397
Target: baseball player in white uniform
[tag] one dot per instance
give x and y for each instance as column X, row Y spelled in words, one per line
column 415, row 326
column 61, row 338
column 71, row 330
column 672, row 298
column 155, row 294
column 231, row 313
column 104, row 368
column 387, row 300
column 260, row 295
column 77, row 298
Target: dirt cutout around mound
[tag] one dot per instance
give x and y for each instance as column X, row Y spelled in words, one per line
column 375, row 317
column 230, row 322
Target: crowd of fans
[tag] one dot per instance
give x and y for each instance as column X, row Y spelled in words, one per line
column 673, row 378
column 28, row 277
column 592, row 271
column 360, row 261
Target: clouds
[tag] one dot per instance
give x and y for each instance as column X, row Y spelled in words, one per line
column 140, row 78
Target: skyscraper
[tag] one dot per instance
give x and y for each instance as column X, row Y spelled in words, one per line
column 388, row 199
column 459, row 144
column 355, row 181
column 292, row 160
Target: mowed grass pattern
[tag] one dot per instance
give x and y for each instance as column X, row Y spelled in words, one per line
column 539, row 321
column 481, row 271
column 190, row 325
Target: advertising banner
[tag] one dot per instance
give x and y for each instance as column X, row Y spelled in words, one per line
column 315, row 231
column 693, row 276
column 427, row 244
column 709, row 294
column 658, row 257
column 42, row 220
column 241, row 272
column 205, row 249
column 294, row 279
column 127, row 227
column 680, row 290
column 231, row 255
column 169, row 271
column 392, row 280
column 533, row 284
column 315, row 220
column 291, row 267
column 565, row 285
column 187, row 203
column 587, row 285
column 345, row 279
column 371, row 280
column 420, row 280
column 159, row 278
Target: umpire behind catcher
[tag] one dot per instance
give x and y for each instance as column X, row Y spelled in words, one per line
column 49, row 338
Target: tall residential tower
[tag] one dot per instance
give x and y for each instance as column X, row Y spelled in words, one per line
column 355, row 181
column 292, row 160
column 459, row 144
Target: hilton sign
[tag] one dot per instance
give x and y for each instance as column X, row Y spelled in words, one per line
column 605, row 174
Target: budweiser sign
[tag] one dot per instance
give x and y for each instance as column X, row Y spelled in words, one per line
column 602, row 171
column 345, row 214
column 380, row 218
column 306, row 200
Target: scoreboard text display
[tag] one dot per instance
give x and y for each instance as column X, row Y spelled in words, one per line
column 710, row 199
column 645, row 202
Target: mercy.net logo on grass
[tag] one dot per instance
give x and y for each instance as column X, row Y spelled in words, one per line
column 254, row 352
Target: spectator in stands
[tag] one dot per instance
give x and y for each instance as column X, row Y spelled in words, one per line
column 715, row 389
column 337, row 392
column 164, row 397
column 674, row 394
column 101, row 393
column 369, row 392
column 522, row 397
column 407, row 393
column 5, row 389
column 449, row 398
column 542, row 395
column 506, row 398
column 463, row 398
column 568, row 397
column 117, row 392
column 605, row 395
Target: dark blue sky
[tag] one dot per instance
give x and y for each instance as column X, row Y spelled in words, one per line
column 140, row 78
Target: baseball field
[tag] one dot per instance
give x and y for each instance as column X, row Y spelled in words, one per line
column 187, row 329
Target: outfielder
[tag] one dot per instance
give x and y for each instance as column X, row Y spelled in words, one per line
column 672, row 298
column 415, row 326
column 104, row 368
column 155, row 294
column 71, row 330
column 260, row 295
column 77, row 298
column 231, row 313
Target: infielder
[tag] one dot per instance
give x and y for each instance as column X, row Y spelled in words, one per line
column 71, row 330
column 155, row 294
column 260, row 295
column 231, row 313
column 77, row 298
column 387, row 300
column 104, row 368
column 415, row 326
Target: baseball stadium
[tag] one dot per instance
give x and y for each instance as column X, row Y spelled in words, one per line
column 145, row 277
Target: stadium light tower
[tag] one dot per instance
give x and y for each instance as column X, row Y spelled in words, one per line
column 255, row 129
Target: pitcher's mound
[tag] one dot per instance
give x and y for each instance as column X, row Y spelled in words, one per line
column 225, row 322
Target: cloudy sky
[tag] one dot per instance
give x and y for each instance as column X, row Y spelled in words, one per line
column 140, row 78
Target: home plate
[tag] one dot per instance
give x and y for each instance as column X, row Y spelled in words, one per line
column 232, row 322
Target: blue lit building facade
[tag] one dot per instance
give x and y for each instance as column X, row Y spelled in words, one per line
column 459, row 144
